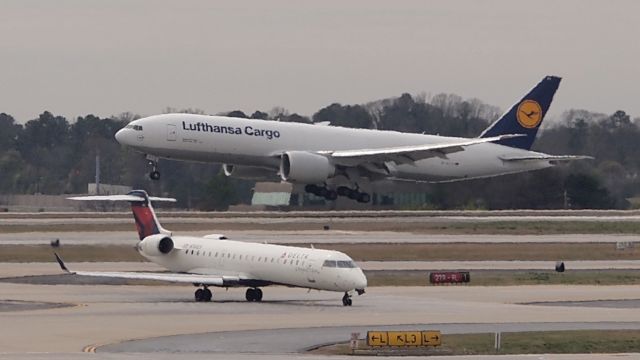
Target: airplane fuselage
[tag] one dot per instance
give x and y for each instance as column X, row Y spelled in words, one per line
column 254, row 264
column 260, row 143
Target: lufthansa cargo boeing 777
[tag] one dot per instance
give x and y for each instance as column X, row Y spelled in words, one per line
column 336, row 161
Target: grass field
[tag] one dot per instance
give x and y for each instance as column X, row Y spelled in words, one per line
column 510, row 277
column 546, row 342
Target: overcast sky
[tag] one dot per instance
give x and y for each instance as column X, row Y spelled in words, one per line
column 106, row 57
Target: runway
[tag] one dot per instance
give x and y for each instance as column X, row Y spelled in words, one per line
column 307, row 237
column 9, row 270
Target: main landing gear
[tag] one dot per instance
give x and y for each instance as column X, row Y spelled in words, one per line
column 153, row 161
column 203, row 295
column 253, row 294
column 346, row 299
column 330, row 194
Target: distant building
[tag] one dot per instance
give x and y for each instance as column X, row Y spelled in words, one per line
column 107, row 189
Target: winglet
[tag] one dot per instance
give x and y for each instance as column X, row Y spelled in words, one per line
column 61, row 263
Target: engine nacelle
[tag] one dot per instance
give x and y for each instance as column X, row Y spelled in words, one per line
column 249, row 172
column 304, row 167
column 156, row 245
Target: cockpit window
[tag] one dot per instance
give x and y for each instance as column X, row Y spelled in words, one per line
column 329, row 263
column 134, row 127
column 346, row 264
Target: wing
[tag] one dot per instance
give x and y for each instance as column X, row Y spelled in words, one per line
column 407, row 154
column 213, row 280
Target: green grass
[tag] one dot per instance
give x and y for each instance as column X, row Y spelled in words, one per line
column 510, row 277
column 483, row 251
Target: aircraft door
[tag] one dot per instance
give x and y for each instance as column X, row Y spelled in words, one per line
column 172, row 132
column 311, row 272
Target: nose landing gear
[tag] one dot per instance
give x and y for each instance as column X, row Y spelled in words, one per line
column 346, row 299
column 153, row 161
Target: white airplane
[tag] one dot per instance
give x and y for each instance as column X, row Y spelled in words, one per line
column 335, row 161
column 215, row 261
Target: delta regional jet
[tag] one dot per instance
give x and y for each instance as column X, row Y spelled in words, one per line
column 336, row 161
column 215, row 261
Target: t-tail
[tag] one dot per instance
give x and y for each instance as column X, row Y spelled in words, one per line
column 146, row 220
column 525, row 117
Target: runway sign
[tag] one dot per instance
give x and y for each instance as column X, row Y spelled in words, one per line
column 449, row 277
column 431, row 338
column 404, row 338
column 377, row 338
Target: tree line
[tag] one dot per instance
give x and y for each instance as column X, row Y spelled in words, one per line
column 52, row 155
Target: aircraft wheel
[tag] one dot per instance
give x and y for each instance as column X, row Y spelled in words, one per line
column 364, row 198
column 343, row 191
column 322, row 192
column 199, row 295
column 207, row 295
column 346, row 300
column 154, row 175
column 250, row 295
column 311, row 188
column 331, row 195
column 353, row 194
column 258, row 294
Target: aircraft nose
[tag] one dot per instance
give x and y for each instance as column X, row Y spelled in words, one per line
column 121, row 136
column 361, row 281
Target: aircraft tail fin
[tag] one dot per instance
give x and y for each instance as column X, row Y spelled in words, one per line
column 525, row 117
column 146, row 220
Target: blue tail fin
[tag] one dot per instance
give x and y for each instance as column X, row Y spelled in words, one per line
column 525, row 116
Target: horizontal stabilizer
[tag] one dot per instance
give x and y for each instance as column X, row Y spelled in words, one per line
column 133, row 198
column 556, row 158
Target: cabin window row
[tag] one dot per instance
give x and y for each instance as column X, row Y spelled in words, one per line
column 339, row 264
column 241, row 257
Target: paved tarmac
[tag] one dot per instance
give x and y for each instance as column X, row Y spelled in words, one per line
column 104, row 315
column 106, row 318
column 315, row 237
column 281, row 341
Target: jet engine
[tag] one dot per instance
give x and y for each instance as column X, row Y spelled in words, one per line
column 249, row 172
column 304, row 167
column 156, row 245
